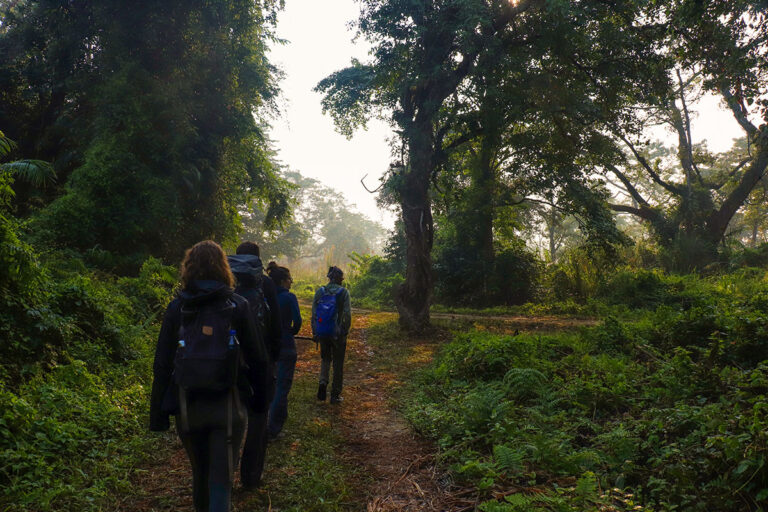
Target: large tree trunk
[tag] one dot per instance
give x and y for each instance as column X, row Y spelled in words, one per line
column 718, row 222
column 755, row 227
column 551, row 233
column 485, row 192
column 415, row 295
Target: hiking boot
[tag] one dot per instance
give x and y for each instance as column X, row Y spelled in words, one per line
column 321, row 392
column 336, row 399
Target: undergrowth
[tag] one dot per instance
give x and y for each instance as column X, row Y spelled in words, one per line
column 667, row 412
column 74, row 378
column 304, row 471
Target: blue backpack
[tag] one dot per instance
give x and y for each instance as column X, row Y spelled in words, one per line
column 327, row 314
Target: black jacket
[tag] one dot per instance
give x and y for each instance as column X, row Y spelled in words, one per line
column 245, row 287
column 164, row 401
column 246, row 283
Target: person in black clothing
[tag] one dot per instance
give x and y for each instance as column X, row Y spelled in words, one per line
column 211, row 424
column 259, row 289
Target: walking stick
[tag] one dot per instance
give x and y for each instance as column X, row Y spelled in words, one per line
column 306, row 338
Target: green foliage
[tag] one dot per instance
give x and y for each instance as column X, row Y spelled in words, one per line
column 669, row 408
column 68, row 439
column 148, row 116
column 373, row 282
column 578, row 274
column 74, row 374
column 464, row 277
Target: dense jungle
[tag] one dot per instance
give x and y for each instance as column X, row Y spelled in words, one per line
column 569, row 311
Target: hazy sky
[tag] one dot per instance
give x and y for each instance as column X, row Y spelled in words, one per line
column 320, row 43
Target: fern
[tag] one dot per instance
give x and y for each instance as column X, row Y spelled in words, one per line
column 528, row 503
column 586, row 486
column 6, row 145
column 524, row 383
column 507, row 459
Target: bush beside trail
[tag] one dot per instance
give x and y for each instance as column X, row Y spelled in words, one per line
column 74, row 377
column 670, row 408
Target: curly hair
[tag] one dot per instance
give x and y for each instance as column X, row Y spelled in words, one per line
column 205, row 261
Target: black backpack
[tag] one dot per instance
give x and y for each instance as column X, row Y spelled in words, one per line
column 257, row 302
column 207, row 360
column 249, row 267
column 208, row 355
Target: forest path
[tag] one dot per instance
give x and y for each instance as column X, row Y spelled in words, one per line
column 385, row 465
column 402, row 471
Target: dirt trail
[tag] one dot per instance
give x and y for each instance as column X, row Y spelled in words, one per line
column 403, row 473
column 379, row 440
column 529, row 323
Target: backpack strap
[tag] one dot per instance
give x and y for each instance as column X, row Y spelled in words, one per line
column 183, row 416
column 230, row 444
column 339, row 307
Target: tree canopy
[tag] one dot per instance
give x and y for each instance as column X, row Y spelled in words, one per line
column 564, row 67
column 150, row 117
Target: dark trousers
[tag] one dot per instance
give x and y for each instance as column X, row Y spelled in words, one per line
column 332, row 353
column 255, row 449
column 213, row 456
column 286, row 365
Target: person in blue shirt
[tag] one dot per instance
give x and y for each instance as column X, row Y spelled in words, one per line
column 290, row 322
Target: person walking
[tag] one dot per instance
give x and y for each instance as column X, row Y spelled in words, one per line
column 290, row 320
column 331, row 321
column 261, row 293
column 207, row 332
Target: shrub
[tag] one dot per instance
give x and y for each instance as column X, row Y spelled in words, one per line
column 74, row 373
column 669, row 409
column 372, row 281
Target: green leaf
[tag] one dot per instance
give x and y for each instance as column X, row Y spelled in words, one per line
column 37, row 172
column 742, row 467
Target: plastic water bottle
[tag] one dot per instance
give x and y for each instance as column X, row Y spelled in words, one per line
column 232, row 338
column 181, row 344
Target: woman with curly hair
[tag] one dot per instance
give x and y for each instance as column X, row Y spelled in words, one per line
column 207, row 332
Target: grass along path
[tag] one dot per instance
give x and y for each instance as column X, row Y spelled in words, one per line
column 357, row 456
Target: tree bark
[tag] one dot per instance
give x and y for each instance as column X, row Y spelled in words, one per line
column 415, row 295
column 718, row 221
column 484, row 199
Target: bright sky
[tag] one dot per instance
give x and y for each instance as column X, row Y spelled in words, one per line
column 319, row 43
column 711, row 121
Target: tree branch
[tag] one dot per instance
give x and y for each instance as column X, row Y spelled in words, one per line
column 718, row 221
column 654, row 176
column 686, row 126
column 738, row 111
column 644, row 213
column 628, row 185
column 731, row 174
